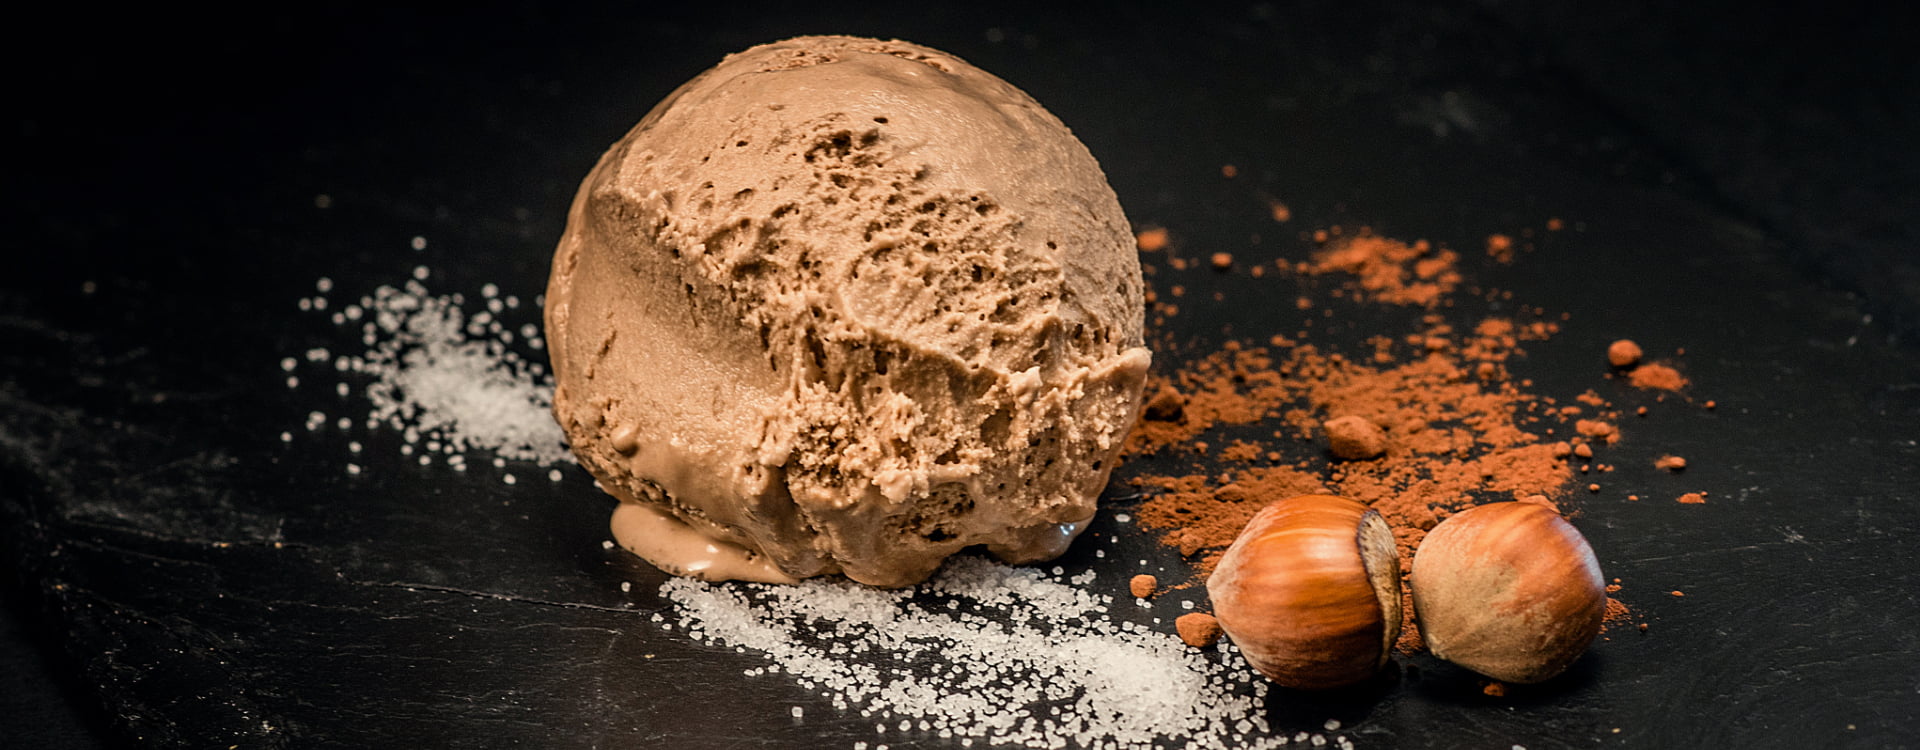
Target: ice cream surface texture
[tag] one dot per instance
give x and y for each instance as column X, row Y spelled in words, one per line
column 842, row 305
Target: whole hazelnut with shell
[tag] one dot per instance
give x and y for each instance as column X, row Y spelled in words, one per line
column 1310, row 592
column 1510, row 590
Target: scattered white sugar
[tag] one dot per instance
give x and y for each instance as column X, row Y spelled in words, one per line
column 606, row 544
column 626, row 586
column 344, row 423
column 798, row 712
column 293, row 382
column 353, row 469
column 323, row 285
column 353, row 446
column 1186, row 604
column 508, row 478
column 419, row 243
column 449, row 382
column 1122, row 517
column 489, row 290
column 286, row 437
column 1332, row 725
column 1023, row 659
column 554, row 475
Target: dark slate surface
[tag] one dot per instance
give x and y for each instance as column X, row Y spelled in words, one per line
column 178, row 576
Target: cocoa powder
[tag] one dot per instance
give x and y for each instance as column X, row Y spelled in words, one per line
column 1655, row 376
column 1419, row 426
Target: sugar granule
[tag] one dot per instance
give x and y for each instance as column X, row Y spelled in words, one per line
column 985, row 651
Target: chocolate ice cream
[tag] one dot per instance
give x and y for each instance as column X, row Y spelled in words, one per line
column 846, row 305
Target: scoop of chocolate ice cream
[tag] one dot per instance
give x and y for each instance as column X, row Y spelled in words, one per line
column 846, row 305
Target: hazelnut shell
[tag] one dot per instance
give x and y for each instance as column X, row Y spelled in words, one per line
column 1310, row 592
column 1510, row 590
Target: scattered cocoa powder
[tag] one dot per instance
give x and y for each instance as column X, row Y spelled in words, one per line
column 1495, row 689
column 1242, row 451
column 1222, row 261
column 1151, row 240
column 1280, row 211
column 1199, row 513
column 1670, row 463
column 1197, row 629
column 1623, row 353
column 1450, row 427
column 1142, row 586
column 1387, row 270
column 1598, row 430
column 1654, row 376
column 1500, row 248
column 1617, row 612
column 1693, row 498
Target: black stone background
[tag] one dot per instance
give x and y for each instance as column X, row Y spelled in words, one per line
column 1741, row 183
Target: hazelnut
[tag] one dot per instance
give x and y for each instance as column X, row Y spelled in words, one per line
column 1310, row 592
column 1509, row 590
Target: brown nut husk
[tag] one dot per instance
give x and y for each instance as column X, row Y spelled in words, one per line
column 1310, row 592
column 1510, row 590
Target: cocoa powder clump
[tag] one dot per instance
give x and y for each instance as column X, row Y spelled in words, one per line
column 1654, row 376
column 1197, row 629
column 1623, row 353
column 1355, row 438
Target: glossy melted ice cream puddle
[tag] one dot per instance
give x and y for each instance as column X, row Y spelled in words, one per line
column 672, row 546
